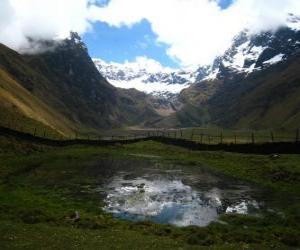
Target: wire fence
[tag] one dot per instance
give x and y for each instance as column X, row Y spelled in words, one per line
column 199, row 135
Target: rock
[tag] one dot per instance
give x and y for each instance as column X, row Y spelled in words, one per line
column 275, row 156
column 75, row 217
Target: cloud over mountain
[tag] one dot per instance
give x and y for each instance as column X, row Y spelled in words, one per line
column 47, row 19
column 195, row 30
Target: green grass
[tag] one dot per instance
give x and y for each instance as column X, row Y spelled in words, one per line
column 41, row 187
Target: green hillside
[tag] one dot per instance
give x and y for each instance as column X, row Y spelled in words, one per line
column 267, row 99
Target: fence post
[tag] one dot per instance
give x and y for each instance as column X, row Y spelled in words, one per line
column 252, row 138
column 181, row 133
column 192, row 135
column 272, row 136
column 297, row 135
column 44, row 133
column 221, row 138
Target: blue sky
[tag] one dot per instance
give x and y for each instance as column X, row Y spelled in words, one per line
column 225, row 3
column 126, row 43
column 118, row 44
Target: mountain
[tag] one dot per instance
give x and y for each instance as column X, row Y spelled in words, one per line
column 256, row 84
column 248, row 53
column 146, row 75
column 61, row 88
column 254, row 52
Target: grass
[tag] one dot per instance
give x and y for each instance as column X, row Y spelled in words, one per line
column 41, row 187
column 21, row 110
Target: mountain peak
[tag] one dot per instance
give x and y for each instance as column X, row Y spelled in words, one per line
column 253, row 52
column 293, row 22
column 146, row 75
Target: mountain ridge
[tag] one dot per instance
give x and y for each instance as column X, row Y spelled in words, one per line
column 66, row 81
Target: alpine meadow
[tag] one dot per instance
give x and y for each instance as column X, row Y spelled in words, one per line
column 147, row 124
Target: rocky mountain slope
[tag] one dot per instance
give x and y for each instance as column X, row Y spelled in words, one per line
column 256, row 84
column 63, row 89
column 253, row 52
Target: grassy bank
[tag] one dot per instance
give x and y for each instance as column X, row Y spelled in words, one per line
column 42, row 187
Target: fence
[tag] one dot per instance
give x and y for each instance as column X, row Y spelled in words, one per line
column 200, row 135
column 247, row 148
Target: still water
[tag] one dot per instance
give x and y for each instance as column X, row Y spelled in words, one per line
column 175, row 194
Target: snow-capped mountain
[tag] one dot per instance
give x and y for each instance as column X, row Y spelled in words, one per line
column 146, row 75
column 248, row 53
column 252, row 52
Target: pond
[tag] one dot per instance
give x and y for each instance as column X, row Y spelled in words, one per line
column 181, row 195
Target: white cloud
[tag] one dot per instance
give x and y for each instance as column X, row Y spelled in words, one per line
column 138, row 64
column 44, row 19
column 195, row 30
column 143, row 62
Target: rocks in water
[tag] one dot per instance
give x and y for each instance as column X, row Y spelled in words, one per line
column 141, row 187
column 275, row 156
column 75, row 217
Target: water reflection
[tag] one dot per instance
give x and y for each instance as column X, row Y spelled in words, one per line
column 181, row 196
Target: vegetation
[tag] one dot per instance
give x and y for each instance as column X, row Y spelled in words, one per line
column 266, row 99
column 42, row 187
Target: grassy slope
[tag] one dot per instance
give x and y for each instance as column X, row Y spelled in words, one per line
column 25, row 97
column 39, row 191
column 19, row 107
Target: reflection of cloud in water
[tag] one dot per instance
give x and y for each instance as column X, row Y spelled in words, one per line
column 166, row 201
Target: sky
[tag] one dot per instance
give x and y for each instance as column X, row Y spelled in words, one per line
column 113, row 44
column 175, row 33
column 120, row 44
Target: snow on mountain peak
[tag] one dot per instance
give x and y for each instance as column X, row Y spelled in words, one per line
column 252, row 52
column 293, row 22
column 248, row 53
column 146, row 75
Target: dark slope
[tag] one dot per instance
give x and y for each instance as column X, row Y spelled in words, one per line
column 66, row 81
column 267, row 99
column 264, row 99
column 21, row 96
column 249, row 87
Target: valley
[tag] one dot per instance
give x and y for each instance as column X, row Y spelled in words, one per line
column 135, row 143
